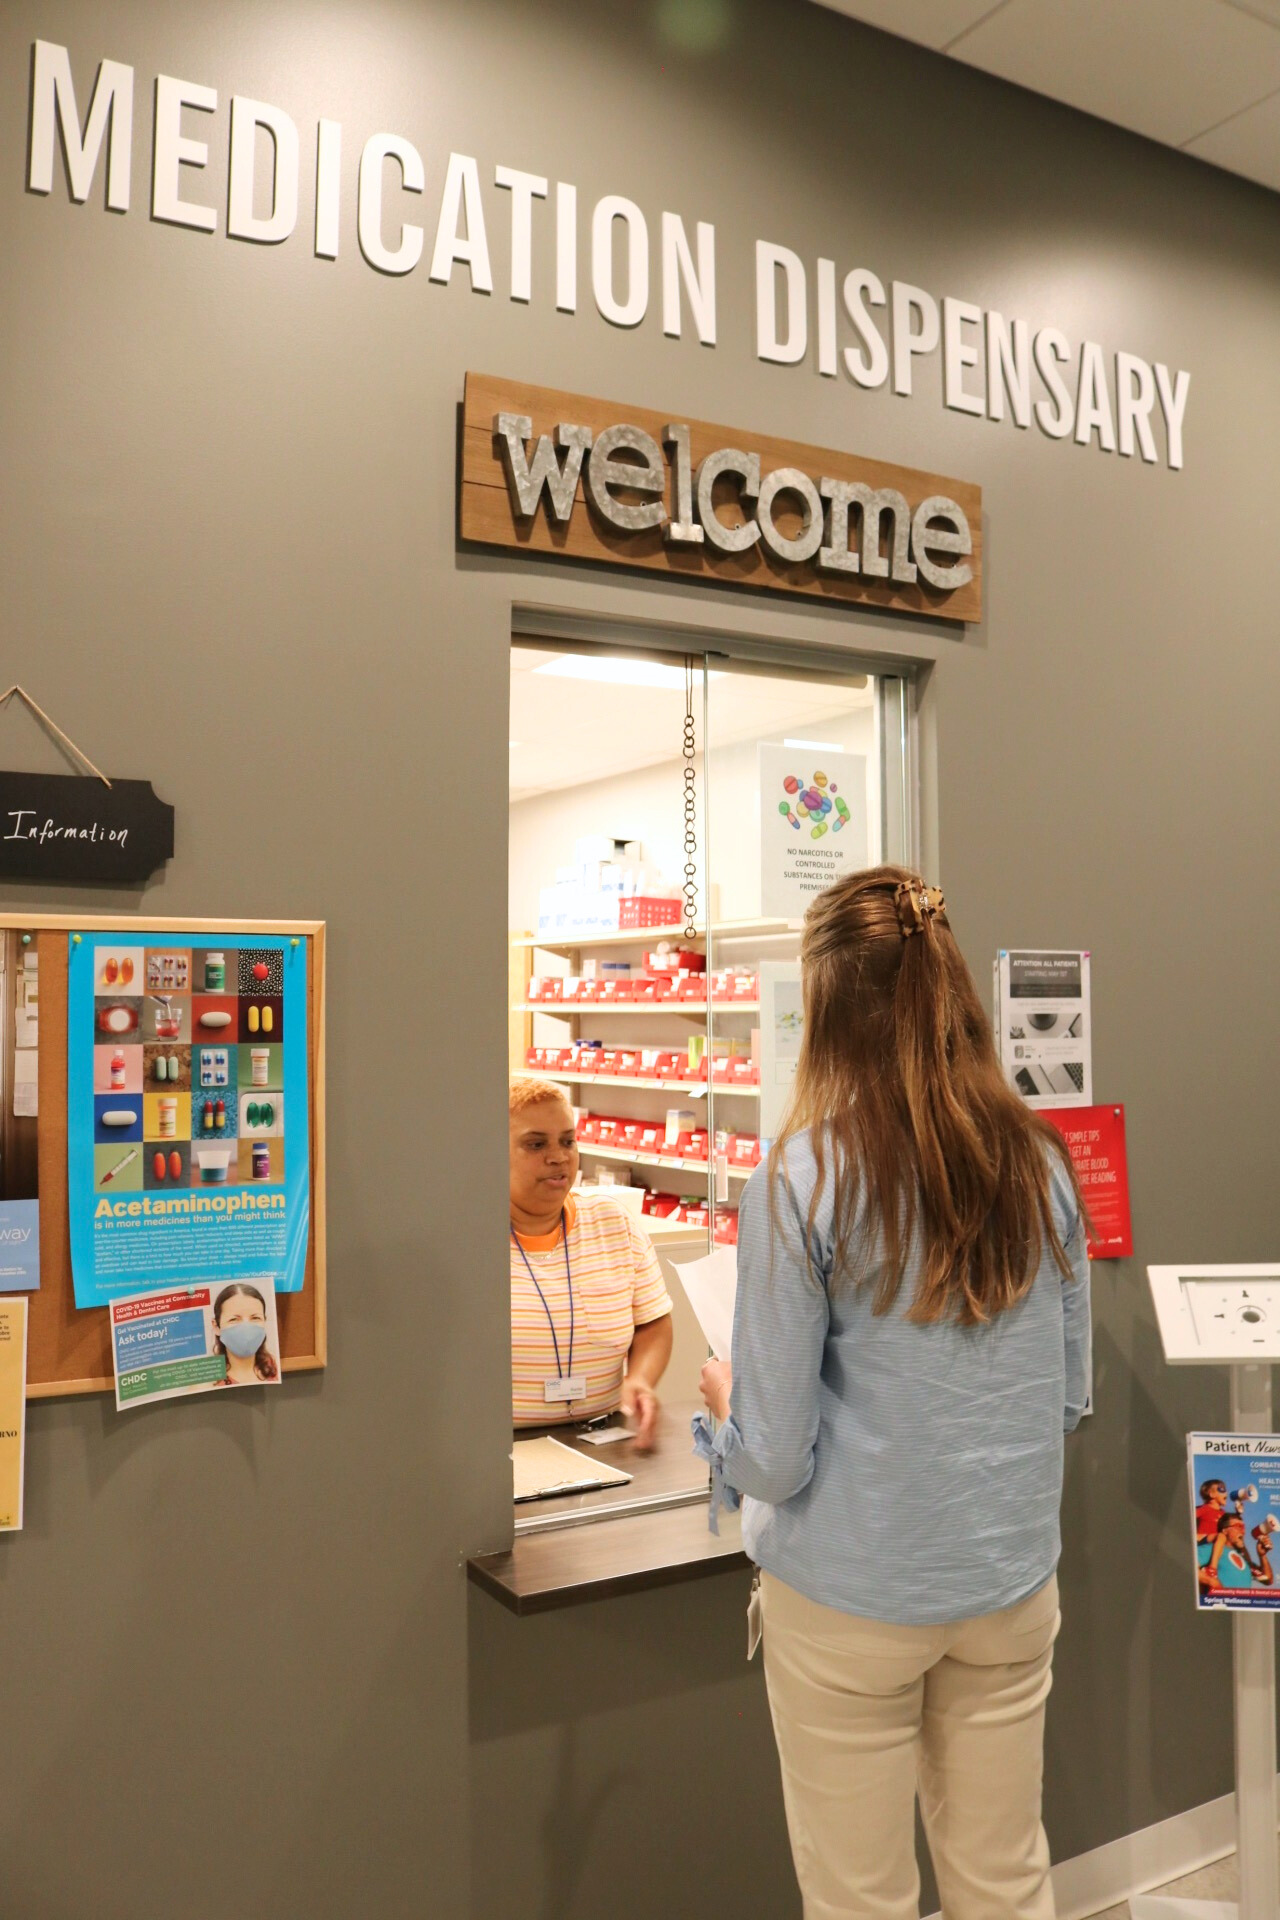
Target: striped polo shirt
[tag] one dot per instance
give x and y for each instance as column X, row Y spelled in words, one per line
column 617, row 1287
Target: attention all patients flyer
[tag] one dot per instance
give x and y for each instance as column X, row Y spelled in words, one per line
column 187, row 1117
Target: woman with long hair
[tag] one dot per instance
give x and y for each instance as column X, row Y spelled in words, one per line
column 910, row 1343
column 240, row 1335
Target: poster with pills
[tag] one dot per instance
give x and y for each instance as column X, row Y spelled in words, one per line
column 188, row 1152
column 813, row 824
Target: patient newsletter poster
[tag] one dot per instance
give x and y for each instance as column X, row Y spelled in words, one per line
column 188, row 1137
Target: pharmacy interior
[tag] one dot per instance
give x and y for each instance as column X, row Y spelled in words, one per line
column 672, row 813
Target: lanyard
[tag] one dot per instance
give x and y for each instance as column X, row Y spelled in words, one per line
column 568, row 1278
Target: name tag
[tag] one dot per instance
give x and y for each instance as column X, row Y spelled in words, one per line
column 572, row 1388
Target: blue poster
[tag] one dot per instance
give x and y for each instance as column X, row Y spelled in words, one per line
column 19, row 1246
column 1235, row 1509
column 188, row 1134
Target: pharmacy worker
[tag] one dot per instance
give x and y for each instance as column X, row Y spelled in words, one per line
column 590, row 1316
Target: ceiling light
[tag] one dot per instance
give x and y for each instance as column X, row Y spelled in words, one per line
column 615, row 671
column 813, row 746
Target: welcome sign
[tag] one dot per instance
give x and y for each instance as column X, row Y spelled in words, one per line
column 550, row 472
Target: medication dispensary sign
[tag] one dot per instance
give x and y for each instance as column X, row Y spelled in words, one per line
column 187, row 1112
column 550, row 472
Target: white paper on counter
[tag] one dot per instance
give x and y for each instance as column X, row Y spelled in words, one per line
column 712, row 1287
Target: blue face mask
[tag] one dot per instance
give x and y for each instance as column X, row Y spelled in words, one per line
column 243, row 1337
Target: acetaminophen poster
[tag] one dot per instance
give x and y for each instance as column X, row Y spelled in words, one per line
column 187, row 1111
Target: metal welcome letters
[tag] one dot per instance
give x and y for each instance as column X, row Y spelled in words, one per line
column 561, row 473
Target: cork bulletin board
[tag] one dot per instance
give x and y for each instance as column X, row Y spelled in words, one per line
column 69, row 1349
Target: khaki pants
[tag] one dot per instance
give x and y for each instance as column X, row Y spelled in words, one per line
column 868, row 1714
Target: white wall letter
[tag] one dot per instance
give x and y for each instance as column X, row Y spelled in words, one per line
column 699, row 281
column 525, row 188
column 1134, row 404
column 378, row 148
column 868, row 363
column 328, row 181
column 1093, row 402
column 906, row 339
column 827, row 362
column 1173, row 404
column 1051, row 350
column 631, row 311
column 53, row 103
column 566, row 247
column 242, row 224
column 959, row 353
column 768, row 346
column 1008, row 366
column 172, row 153
column 462, row 188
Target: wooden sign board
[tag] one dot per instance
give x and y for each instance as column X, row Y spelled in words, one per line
column 923, row 554
column 69, row 1348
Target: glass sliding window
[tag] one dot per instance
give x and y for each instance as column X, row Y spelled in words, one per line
column 608, row 1004
column 807, row 779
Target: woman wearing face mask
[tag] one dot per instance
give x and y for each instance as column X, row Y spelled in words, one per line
column 911, row 1341
column 240, row 1330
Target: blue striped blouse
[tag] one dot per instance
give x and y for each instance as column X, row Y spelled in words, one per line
column 905, row 1473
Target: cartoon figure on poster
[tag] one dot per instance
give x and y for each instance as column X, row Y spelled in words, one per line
column 187, row 1123
column 1235, row 1498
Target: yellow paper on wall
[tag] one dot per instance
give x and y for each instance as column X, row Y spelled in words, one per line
column 13, row 1409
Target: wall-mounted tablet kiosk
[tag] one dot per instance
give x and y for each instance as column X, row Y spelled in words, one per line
column 1217, row 1315
column 1230, row 1316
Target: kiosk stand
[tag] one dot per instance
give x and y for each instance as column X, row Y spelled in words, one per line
column 1230, row 1316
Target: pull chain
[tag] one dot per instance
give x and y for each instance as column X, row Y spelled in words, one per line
column 689, row 749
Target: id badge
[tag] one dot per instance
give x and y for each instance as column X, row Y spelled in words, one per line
column 556, row 1388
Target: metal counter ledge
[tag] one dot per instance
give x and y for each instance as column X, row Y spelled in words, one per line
column 597, row 1547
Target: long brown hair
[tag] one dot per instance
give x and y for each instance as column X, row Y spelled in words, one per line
column 909, row 1112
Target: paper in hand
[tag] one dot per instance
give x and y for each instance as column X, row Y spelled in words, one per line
column 712, row 1288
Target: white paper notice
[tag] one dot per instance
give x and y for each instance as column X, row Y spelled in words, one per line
column 712, row 1287
column 781, row 1035
column 1042, row 1009
column 813, row 825
column 26, row 1084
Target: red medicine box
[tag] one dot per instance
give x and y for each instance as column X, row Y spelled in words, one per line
column 645, row 910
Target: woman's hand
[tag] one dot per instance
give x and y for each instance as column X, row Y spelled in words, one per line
column 715, row 1383
column 639, row 1406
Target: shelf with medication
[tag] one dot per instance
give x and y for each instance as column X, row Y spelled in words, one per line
column 568, row 980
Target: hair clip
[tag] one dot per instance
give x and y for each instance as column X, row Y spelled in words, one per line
column 916, row 906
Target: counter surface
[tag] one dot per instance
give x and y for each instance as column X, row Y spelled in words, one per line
column 615, row 1550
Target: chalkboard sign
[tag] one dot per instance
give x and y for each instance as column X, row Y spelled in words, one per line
column 61, row 826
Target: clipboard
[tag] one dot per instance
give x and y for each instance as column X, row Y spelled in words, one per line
column 544, row 1467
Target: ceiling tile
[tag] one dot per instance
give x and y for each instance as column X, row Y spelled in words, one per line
column 1170, row 69
column 930, row 22
column 1249, row 144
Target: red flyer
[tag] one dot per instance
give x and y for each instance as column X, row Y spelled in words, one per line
column 1095, row 1138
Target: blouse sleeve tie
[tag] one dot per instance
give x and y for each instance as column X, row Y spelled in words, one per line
column 722, row 1494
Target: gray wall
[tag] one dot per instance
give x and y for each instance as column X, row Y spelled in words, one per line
column 242, row 1666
